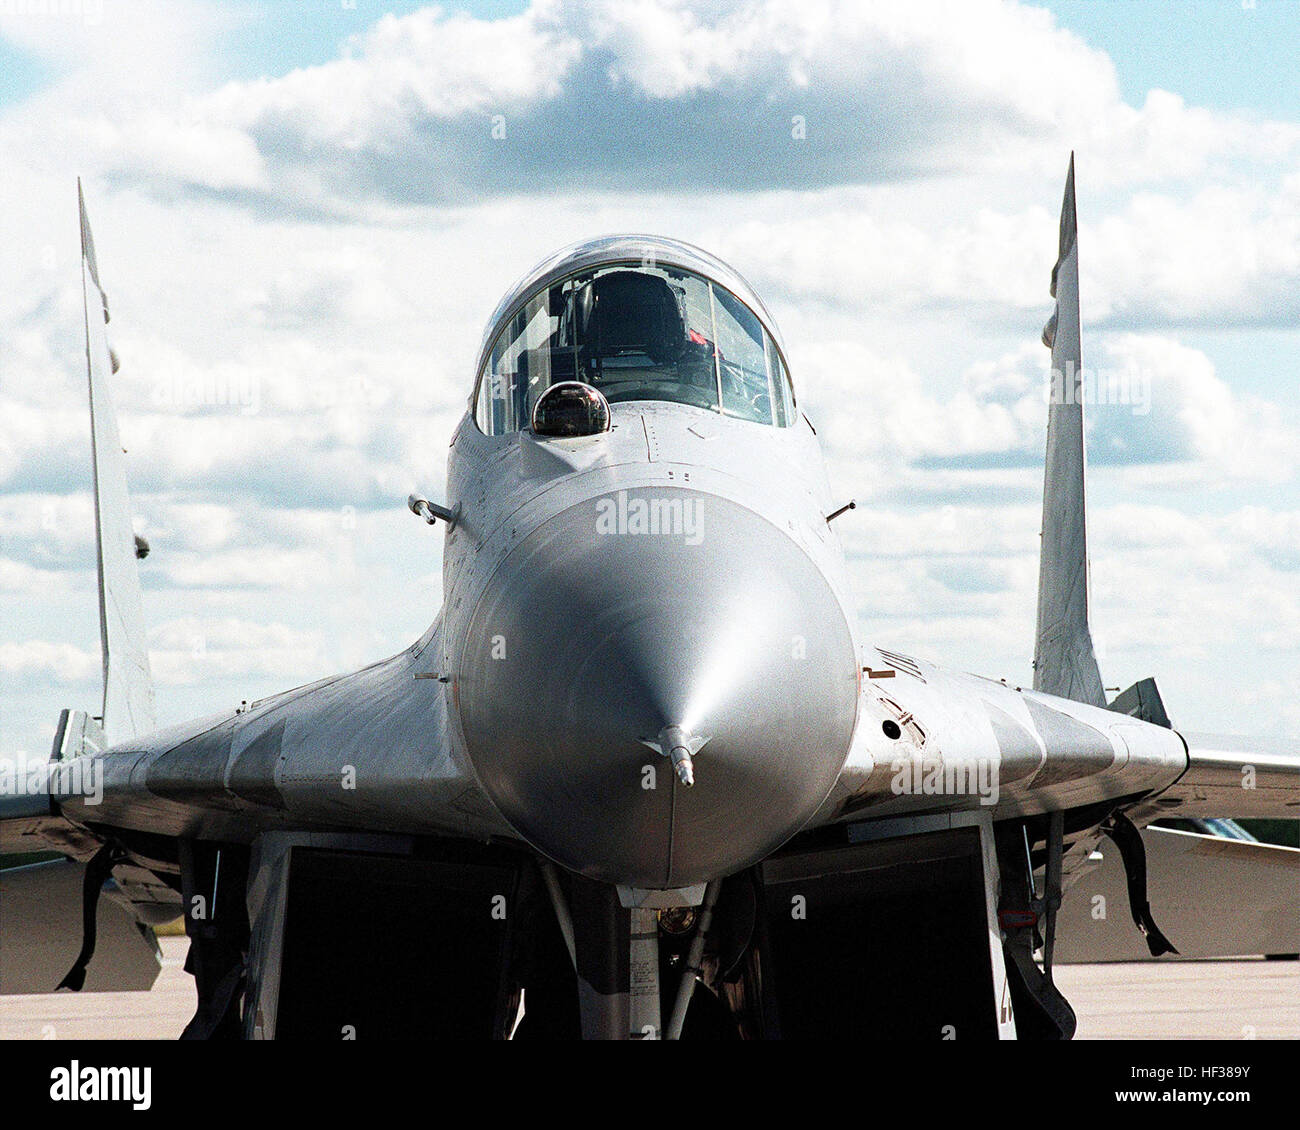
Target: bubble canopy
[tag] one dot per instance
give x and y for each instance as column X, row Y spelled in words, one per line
column 639, row 318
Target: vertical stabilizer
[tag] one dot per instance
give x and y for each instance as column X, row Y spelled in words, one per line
column 128, row 686
column 1064, row 661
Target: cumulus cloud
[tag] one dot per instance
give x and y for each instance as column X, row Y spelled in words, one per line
column 1149, row 400
column 188, row 650
column 962, row 583
column 182, row 652
column 438, row 108
column 48, row 661
column 1227, row 254
column 48, row 531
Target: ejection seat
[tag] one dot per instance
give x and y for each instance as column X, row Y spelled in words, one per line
column 627, row 312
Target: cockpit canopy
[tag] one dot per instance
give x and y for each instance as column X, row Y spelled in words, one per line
column 636, row 330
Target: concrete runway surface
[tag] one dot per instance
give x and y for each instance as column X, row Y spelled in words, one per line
column 1215, row 1000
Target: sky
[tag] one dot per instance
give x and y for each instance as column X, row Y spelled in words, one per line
column 305, row 212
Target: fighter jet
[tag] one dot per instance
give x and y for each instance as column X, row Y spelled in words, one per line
column 645, row 775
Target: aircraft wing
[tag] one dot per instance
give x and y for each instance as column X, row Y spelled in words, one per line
column 370, row 750
column 1213, row 897
column 367, row 752
column 41, row 932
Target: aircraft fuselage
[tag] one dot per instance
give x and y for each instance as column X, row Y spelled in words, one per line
column 677, row 570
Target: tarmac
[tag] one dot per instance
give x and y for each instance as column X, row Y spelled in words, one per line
column 1188, row 1000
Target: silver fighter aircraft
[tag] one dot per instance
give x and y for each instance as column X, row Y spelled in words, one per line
column 644, row 776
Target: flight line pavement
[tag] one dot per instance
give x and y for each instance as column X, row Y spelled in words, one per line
column 1214, row 1000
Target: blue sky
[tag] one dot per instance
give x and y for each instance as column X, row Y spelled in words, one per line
column 303, row 220
column 1225, row 54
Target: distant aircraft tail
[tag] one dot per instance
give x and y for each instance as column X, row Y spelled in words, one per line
column 128, row 707
column 1064, row 661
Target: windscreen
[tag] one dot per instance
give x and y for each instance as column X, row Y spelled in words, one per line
column 635, row 333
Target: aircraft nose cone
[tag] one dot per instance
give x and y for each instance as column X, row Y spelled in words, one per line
column 600, row 633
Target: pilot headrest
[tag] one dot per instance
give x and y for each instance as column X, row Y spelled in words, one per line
column 630, row 310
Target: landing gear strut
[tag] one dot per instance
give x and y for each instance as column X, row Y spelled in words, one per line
column 213, row 879
column 1042, row 1013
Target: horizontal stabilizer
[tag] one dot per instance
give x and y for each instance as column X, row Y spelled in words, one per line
column 1213, row 897
column 77, row 735
column 29, row 819
column 1142, row 700
column 41, row 934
